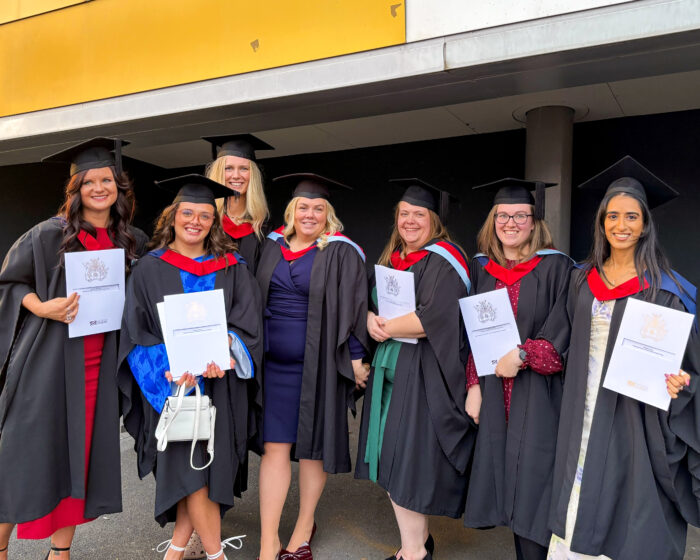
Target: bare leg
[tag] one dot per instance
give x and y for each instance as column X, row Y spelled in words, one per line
column 205, row 515
column 414, row 532
column 181, row 532
column 62, row 538
column 5, row 532
column 274, row 480
column 312, row 481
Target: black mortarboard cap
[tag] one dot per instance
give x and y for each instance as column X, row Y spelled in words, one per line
column 420, row 193
column 92, row 154
column 629, row 176
column 194, row 188
column 241, row 145
column 310, row 185
column 518, row 191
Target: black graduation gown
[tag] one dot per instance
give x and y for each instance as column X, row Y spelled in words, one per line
column 42, row 404
column 641, row 477
column 337, row 309
column 250, row 248
column 428, row 437
column 511, row 476
column 151, row 280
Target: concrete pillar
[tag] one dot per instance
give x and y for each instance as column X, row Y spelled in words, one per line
column 548, row 153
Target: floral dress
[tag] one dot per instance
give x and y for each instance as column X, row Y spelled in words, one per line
column 601, row 315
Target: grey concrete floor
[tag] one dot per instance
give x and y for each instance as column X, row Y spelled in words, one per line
column 354, row 518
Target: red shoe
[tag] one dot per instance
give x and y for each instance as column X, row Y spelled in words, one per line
column 301, row 553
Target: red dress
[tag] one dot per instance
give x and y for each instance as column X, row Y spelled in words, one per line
column 70, row 511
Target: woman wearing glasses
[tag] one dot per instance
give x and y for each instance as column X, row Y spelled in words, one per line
column 517, row 409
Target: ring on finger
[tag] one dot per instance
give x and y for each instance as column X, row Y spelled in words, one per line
column 69, row 317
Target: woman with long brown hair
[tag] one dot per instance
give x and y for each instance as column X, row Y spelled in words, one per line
column 244, row 210
column 415, row 438
column 59, row 414
column 626, row 473
column 190, row 253
column 517, row 409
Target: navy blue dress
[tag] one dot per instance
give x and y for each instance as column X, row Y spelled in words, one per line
column 285, row 339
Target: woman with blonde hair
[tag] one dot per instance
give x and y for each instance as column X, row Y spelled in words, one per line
column 244, row 213
column 314, row 287
column 415, row 438
column 517, row 409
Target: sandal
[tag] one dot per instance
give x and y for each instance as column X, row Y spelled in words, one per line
column 52, row 549
column 165, row 546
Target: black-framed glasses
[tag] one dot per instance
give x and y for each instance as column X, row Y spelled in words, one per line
column 520, row 218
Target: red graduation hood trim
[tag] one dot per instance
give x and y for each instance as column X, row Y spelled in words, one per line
column 602, row 293
column 197, row 268
column 456, row 253
column 91, row 244
column 290, row 255
column 412, row 258
column 236, row 231
column 512, row 275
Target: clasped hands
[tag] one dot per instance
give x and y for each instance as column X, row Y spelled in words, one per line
column 376, row 326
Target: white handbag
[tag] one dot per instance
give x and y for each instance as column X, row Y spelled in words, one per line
column 190, row 418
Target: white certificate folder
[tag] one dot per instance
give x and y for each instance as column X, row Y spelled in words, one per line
column 651, row 342
column 195, row 332
column 98, row 278
column 396, row 294
column 491, row 328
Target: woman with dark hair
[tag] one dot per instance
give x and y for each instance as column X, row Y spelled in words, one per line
column 244, row 210
column 517, row 409
column 190, row 253
column 314, row 286
column 415, row 437
column 59, row 413
column 626, row 473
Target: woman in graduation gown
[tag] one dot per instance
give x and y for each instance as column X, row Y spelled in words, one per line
column 191, row 253
column 517, row 409
column 626, row 473
column 415, row 437
column 244, row 211
column 314, row 286
column 59, row 415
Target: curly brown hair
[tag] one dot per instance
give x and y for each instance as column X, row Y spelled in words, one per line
column 216, row 244
column 121, row 213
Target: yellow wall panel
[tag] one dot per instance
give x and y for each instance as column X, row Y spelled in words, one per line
column 107, row 48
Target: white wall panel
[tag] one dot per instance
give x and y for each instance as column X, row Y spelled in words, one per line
column 437, row 18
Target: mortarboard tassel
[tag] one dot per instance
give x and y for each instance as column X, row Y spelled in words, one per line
column 539, row 200
column 118, row 156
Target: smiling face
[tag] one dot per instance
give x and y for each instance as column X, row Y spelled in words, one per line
column 193, row 222
column 237, row 174
column 512, row 235
column 623, row 223
column 98, row 191
column 310, row 216
column 413, row 224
